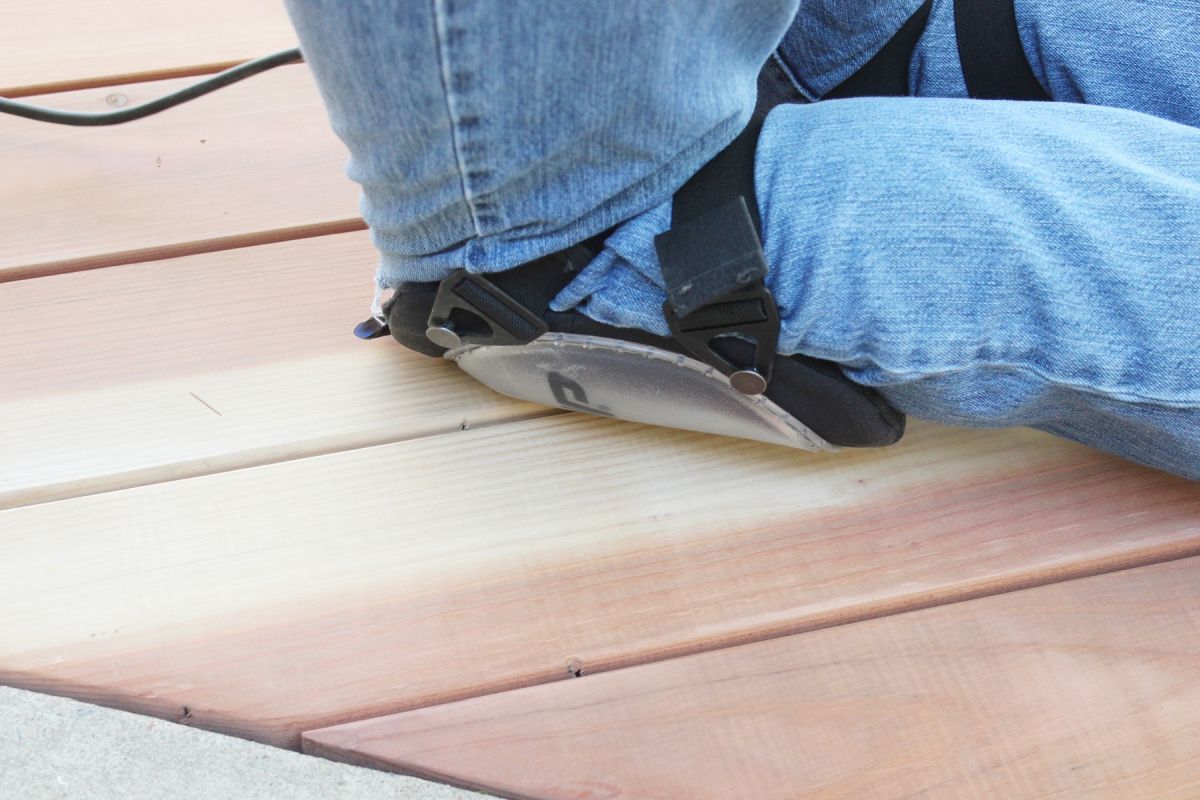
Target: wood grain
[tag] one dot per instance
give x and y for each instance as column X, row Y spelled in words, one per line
column 153, row 372
column 253, row 163
column 1086, row 689
column 53, row 45
column 271, row 600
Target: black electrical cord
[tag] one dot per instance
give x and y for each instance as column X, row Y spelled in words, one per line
column 221, row 79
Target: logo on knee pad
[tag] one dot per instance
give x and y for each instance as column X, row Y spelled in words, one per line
column 569, row 394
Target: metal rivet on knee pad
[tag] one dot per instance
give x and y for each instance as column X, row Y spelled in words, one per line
column 747, row 381
column 443, row 336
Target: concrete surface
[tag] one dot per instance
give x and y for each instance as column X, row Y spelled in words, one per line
column 53, row 748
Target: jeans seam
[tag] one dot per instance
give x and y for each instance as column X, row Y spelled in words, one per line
column 787, row 73
column 442, row 45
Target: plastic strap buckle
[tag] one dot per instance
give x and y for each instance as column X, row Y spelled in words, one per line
column 749, row 313
column 506, row 321
column 713, row 267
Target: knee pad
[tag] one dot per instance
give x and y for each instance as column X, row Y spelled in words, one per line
column 499, row 329
column 717, row 372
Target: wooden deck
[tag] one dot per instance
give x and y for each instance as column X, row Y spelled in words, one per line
column 217, row 506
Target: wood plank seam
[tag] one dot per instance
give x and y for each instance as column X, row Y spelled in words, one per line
column 253, row 163
column 57, row 45
column 465, row 593
column 273, row 601
column 120, row 79
column 249, row 459
column 1086, row 689
column 180, row 249
column 251, row 361
column 849, row 615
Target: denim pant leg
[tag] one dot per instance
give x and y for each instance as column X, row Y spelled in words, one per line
column 1143, row 55
column 983, row 264
column 484, row 138
column 487, row 134
column 997, row 264
column 990, row 264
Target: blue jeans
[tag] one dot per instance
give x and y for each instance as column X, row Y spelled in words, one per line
column 981, row 263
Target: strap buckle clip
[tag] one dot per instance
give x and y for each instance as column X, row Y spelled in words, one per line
column 713, row 267
column 470, row 309
column 749, row 313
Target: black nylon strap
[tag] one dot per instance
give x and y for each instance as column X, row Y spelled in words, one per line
column 989, row 46
column 713, row 245
column 707, row 257
column 706, row 253
column 886, row 75
column 730, row 174
column 713, row 265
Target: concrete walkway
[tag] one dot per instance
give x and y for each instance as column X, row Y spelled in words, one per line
column 51, row 747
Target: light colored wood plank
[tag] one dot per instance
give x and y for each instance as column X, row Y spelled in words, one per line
column 1087, row 689
column 152, row 372
column 48, row 45
column 292, row 596
column 252, row 163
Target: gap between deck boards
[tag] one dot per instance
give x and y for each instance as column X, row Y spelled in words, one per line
column 120, row 79
column 1078, row 690
column 60, row 45
column 180, row 249
column 209, row 465
column 654, row 644
column 846, row 616
column 236, row 727
column 254, row 163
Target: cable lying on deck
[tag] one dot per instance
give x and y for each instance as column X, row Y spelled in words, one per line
column 218, row 81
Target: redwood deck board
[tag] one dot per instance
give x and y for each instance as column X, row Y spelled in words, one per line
column 1085, row 689
column 151, row 372
column 50, row 45
column 253, row 163
column 290, row 596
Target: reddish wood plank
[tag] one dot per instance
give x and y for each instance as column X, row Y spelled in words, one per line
column 152, row 372
column 253, row 163
column 53, row 45
column 1086, row 689
column 291, row 596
